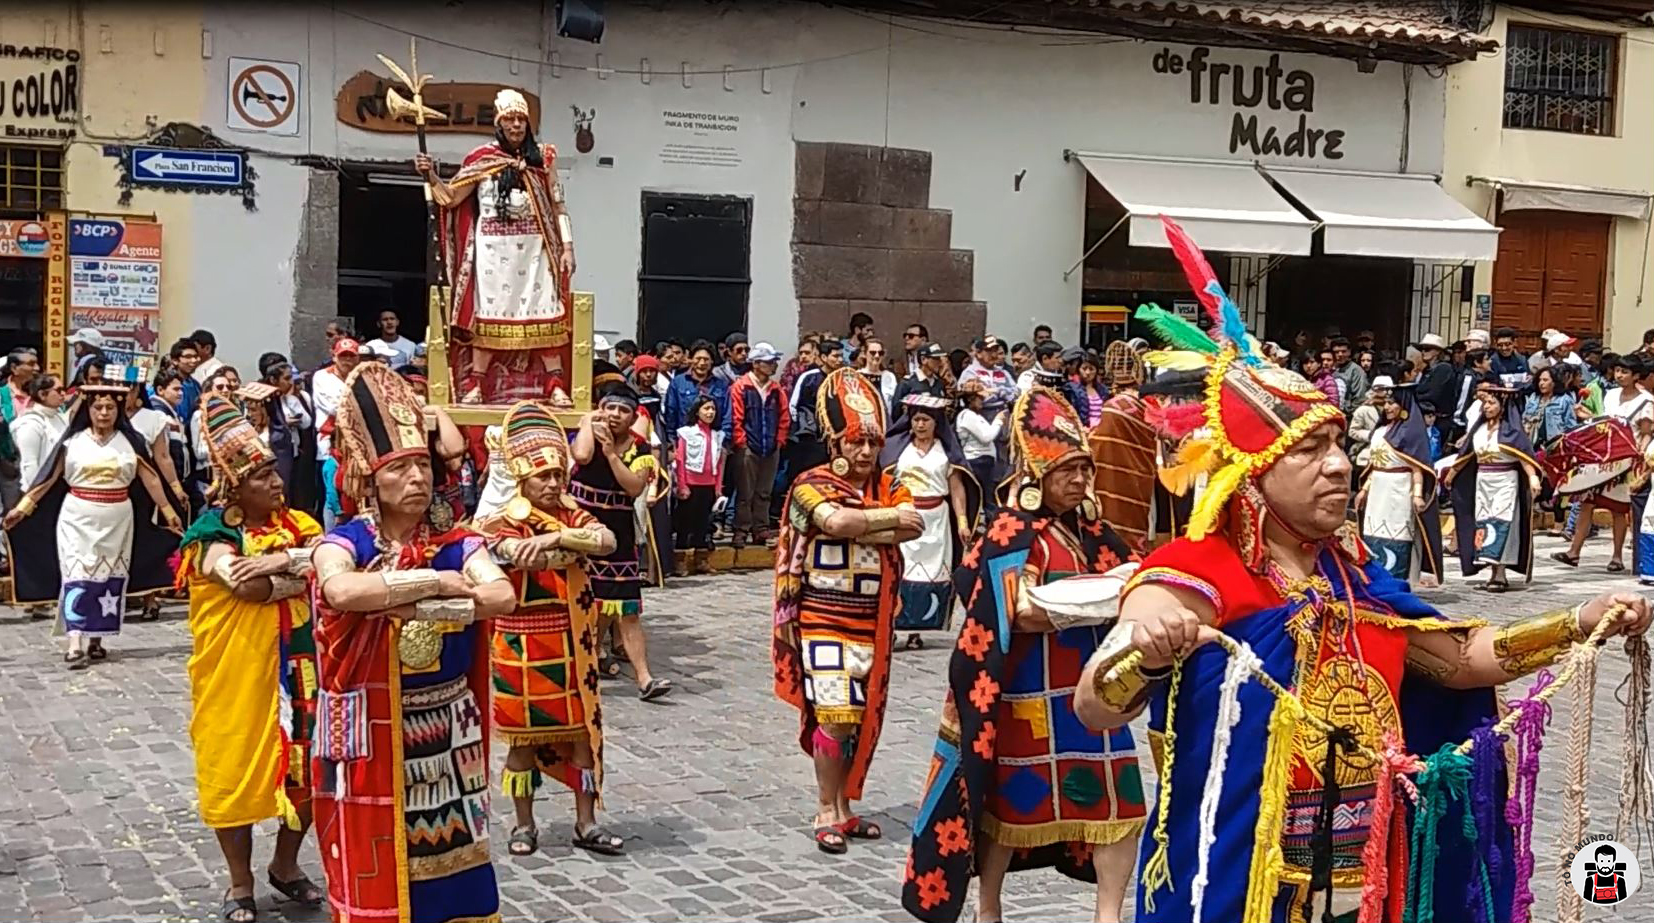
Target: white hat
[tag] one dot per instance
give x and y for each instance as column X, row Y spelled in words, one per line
column 509, row 102
column 1548, row 333
column 764, row 352
column 88, row 336
column 1480, row 336
column 1573, row 359
column 1431, row 341
column 1383, row 381
column 600, row 343
column 1555, row 340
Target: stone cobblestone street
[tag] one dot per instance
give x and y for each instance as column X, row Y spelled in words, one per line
column 97, row 792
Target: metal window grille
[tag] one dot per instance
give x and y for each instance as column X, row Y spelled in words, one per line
column 1437, row 304
column 31, row 178
column 1559, row 80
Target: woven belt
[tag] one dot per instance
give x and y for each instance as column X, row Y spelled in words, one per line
column 434, row 696
column 535, row 621
column 598, row 498
column 101, row 495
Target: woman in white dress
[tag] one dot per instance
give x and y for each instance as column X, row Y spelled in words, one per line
column 37, row 430
column 921, row 453
column 1495, row 481
column 1399, row 518
column 75, row 533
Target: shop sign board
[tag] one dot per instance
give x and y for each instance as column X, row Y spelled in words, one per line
column 1271, row 105
column 39, row 92
column 115, row 283
column 469, row 107
column 57, row 291
column 25, row 239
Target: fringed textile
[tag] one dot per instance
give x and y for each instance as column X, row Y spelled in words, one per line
column 1267, row 858
column 1636, row 774
column 1486, row 752
column 1445, row 778
column 519, row 783
column 1242, row 664
column 1157, row 873
column 1570, row 905
column 1340, row 738
column 1383, row 858
column 1528, row 734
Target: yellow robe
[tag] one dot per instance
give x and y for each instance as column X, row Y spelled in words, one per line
column 243, row 760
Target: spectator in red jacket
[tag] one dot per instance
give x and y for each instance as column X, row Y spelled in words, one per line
column 759, row 421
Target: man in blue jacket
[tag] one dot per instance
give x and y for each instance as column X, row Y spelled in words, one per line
column 695, row 380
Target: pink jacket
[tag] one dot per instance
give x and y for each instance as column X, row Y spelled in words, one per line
column 698, row 460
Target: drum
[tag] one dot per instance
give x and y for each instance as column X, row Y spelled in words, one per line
column 1599, row 451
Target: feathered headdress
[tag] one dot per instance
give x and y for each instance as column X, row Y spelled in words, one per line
column 1241, row 413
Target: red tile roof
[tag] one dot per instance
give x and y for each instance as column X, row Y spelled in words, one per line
column 1406, row 21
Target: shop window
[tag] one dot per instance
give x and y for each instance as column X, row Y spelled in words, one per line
column 1560, row 80
column 31, row 178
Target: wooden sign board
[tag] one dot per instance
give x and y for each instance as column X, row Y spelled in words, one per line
column 469, row 106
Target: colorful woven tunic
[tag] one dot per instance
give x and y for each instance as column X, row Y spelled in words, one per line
column 835, row 606
column 544, row 654
column 616, row 578
column 401, row 752
column 1012, row 761
column 252, row 679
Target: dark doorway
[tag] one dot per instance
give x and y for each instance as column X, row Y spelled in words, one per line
column 1348, row 293
column 382, row 249
column 695, row 268
column 22, row 303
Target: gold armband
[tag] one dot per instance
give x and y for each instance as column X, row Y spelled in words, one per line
column 221, row 570
column 481, row 569
column 286, row 586
column 408, row 586
column 1527, row 644
column 445, row 609
column 178, row 488
column 26, row 505
column 580, row 541
column 565, row 230
column 1120, row 681
column 883, row 519
column 505, row 550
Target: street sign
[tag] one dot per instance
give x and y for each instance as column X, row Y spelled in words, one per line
column 263, row 97
column 159, row 167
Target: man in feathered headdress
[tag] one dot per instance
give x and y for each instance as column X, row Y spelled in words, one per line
column 1016, row 782
column 509, row 248
column 1262, row 809
column 400, row 752
column 837, row 573
column 547, row 706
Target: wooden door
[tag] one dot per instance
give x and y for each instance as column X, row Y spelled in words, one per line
column 1550, row 273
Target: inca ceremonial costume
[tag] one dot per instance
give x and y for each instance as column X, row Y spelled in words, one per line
column 1404, row 541
column 400, row 781
column 503, row 251
column 1012, row 762
column 1126, row 451
column 545, row 653
column 928, row 562
column 616, row 577
column 91, row 534
column 836, row 598
column 1247, row 817
column 253, row 664
column 1492, row 500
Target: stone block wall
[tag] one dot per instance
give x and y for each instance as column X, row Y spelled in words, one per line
column 316, row 270
column 866, row 239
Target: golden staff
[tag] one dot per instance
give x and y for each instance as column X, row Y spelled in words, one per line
column 402, row 108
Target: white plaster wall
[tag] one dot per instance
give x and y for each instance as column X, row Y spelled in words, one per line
column 241, row 271
column 987, row 105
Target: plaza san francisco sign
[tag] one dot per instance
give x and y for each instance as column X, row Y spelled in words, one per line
column 1273, row 108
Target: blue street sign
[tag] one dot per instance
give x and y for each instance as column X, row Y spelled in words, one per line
column 158, row 166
